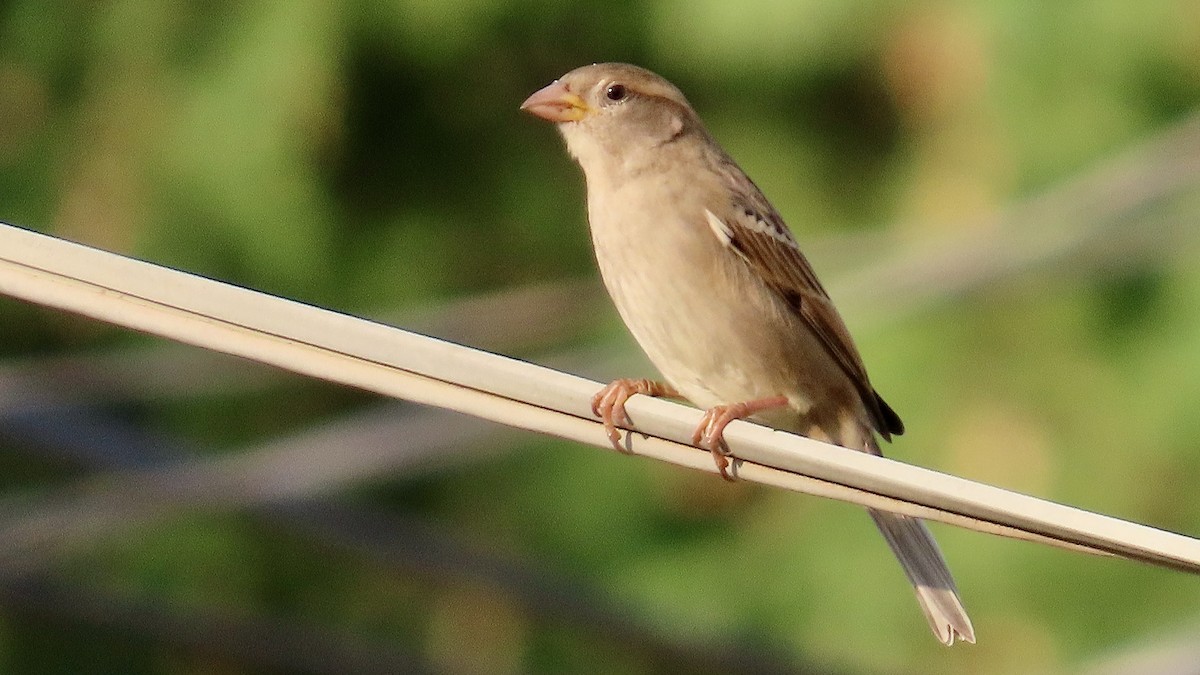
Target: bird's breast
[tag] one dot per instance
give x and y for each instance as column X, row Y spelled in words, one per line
column 701, row 316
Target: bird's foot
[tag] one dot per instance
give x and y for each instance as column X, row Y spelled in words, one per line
column 609, row 404
column 710, row 434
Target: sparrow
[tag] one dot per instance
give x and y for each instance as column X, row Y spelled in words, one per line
column 712, row 284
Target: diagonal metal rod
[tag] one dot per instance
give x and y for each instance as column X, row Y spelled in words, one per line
column 341, row 348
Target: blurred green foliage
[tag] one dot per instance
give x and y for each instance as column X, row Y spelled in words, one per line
column 370, row 155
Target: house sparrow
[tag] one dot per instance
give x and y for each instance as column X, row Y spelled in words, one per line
column 714, row 288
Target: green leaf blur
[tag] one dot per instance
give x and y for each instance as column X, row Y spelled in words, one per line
column 371, row 157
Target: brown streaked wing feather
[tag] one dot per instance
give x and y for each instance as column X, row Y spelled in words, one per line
column 762, row 239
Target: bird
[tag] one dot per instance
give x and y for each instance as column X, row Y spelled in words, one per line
column 713, row 286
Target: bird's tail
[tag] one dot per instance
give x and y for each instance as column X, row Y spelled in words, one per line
column 926, row 569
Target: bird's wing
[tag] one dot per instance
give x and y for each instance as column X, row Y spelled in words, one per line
column 757, row 233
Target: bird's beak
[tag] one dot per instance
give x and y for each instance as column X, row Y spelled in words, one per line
column 556, row 103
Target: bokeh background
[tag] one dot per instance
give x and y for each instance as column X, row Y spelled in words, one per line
column 1003, row 197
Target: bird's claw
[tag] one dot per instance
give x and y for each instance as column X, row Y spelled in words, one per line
column 609, row 405
column 710, row 433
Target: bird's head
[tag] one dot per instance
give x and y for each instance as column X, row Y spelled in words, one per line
column 609, row 111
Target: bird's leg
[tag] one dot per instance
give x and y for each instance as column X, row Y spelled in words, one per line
column 609, row 403
column 710, row 435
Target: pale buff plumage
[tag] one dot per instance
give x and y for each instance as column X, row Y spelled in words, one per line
column 714, row 288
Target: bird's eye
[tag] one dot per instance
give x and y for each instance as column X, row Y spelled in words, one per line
column 616, row 92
